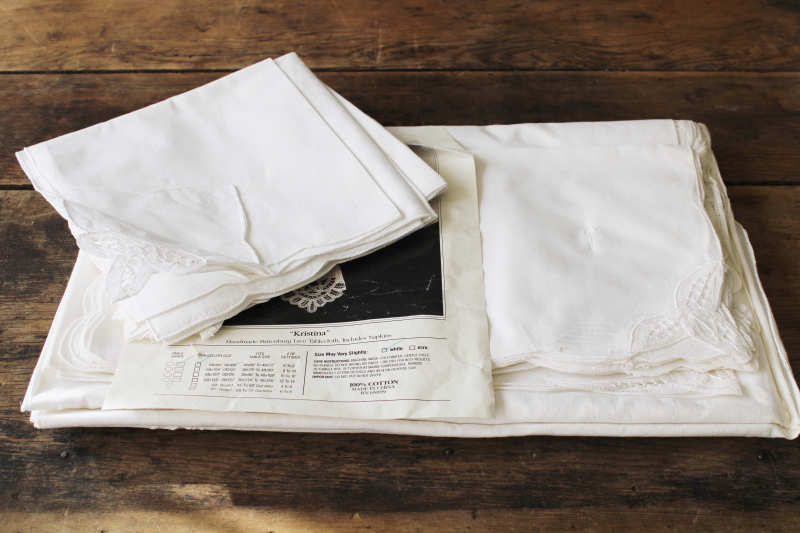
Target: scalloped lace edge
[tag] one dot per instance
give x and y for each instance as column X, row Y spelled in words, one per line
column 705, row 309
column 135, row 260
column 674, row 384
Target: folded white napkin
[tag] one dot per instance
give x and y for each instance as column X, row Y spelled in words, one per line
column 601, row 258
column 265, row 174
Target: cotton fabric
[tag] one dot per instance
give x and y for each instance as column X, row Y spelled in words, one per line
column 260, row 181
column 688, row 385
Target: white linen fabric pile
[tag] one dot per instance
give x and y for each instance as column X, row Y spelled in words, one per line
column 625, row 281
column 200, row 206
column 622, row 297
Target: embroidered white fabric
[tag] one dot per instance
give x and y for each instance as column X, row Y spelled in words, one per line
column 318, row 293
column 676, row 384
column 90, row 348
column 217, row 179
column 768, row 406
column 531, row 399
column 658, row 345
column 134, row 261
column 627, row 273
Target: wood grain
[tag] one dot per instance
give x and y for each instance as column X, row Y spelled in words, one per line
column 408, row 34
column 113, row 479
column 475, row 520
column 600, row 484
column 754, row 118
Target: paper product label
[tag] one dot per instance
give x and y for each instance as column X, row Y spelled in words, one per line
column 400, row 333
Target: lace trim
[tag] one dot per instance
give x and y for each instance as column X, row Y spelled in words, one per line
column 693, row 135
column 680, row 384
column 711, row 304
column 697, row 137
column 699, row 313
column 135, row 261
column 318, row 293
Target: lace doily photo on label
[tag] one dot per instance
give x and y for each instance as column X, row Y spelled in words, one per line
column 318, row 293
column 403, row 279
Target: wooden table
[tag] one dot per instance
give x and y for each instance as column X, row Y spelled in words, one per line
column 67, row 64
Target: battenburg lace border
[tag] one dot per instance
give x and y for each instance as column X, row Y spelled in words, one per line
column 705, row 306
column 700, row 312
column 675, row 384
column 135, row 261
column 318, row 293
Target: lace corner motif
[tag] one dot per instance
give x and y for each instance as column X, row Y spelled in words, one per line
column 674, row 384
column 318, row 293
column 134, row 261
column 693, row 135
column 701, row 313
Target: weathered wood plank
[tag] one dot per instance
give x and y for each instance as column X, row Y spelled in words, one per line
column 177, row 472
column 459, row 34
column 115, row 470
column 476, row 520
column 754, row 118
column 37, row 253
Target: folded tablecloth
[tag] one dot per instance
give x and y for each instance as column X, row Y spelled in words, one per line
column 622, row 300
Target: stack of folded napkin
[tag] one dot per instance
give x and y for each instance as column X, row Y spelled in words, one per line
column 622, row 297
column 200, row 206
column 608, row 261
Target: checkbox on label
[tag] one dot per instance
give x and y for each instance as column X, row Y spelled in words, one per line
column 412, row 347
column 384, row 349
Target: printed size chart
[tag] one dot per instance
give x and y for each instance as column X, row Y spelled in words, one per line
column 381, row 373
column 288, row 373
column 410, row 346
